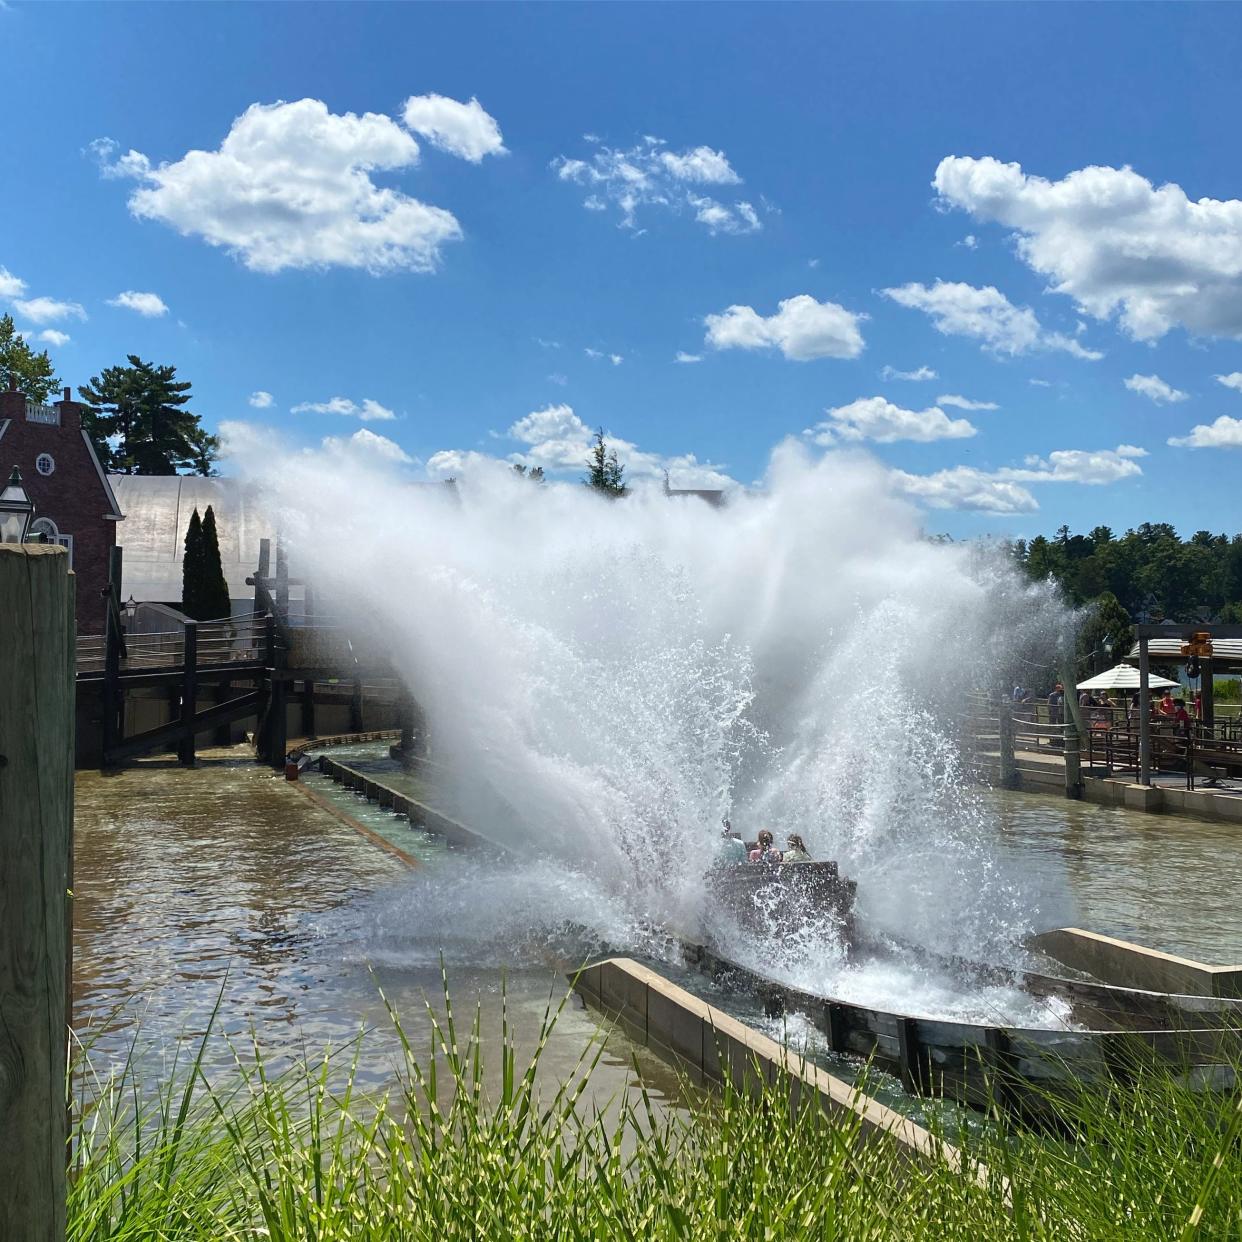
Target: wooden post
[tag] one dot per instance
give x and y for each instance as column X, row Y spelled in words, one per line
column 355, row 707
column 189, row 692
column 308, row 709
column 1144, row 711
column 1207, row 692
column 1073, row 734
column 36, row 848
column 113, row 696
column 263, row 709
column 1008, row 761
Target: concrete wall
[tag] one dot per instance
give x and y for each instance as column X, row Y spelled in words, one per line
column 712, row 1046
column 1133, row 966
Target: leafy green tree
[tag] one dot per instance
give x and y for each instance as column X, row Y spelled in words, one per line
column 604, row 472
column 20, row 366
column 192, row 563
column 137, row 418
column 1107, row 626
column 534, row 474
column 214, row 599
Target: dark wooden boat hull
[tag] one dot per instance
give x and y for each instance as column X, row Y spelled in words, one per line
column 784, row 898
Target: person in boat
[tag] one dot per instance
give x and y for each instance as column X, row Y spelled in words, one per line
column 765, row 851
column 730, row 848
column 795, row 850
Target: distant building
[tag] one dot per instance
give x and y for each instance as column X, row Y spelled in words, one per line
column 74, row 504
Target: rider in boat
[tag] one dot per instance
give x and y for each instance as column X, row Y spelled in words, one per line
column 766, row 852
column 795, row 850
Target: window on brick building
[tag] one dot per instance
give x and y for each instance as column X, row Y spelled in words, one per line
column 47, row 528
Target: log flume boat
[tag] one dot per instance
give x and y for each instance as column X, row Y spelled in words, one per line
column 783, row 898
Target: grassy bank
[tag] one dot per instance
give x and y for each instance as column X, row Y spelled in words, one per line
column 453, row 1153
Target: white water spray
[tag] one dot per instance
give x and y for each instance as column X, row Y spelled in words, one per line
column 606, row 680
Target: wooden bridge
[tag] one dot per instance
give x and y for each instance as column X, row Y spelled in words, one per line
column 222, row 671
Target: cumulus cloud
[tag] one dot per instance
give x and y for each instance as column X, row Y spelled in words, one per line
column 290, row 187
column 1155, row 389
column 985, row 315
column 49, row 336
column 261, row 400
column 10, row 285
column 49, row 310
column 964, row 487
column 922, row 373
column 1233, row 380
column 365, row 445
column 368, row 412
column 649, row 175
column 802, row 329
column 1225, row 432
column 874, row 418
column 461, row 129
column 150, row 305
column 1007, row 491
column 682, row 356
column 1114, row 242
column 965, row 403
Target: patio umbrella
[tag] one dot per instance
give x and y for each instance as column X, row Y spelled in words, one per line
column 1124, row 677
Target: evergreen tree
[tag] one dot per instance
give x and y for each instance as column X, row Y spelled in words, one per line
column 137, row 420
column 1108, row 624
column 534, row 473
column 604, row 471
column 31, row 373
column 215, row 589
column 192, row 569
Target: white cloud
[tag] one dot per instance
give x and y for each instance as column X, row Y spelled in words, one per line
column 615, row 359
column 261, row 400
column 702, row 164
column 1225, row 432
column 969, row 242
column 462, row 129
column 985, row 315
column 874, row 418
column 1005, row 491
column 1114, row 242
column 368, row 412
column 366, row 445
column 1155, row 389
column 150, row 305
column 599, row 354
column 923, row 373
column 49, row 336
column 1233, row 380
column 454, row 463
column 801, row 328
column 547, row 344
column 964, row 487
column 965, row 403
column 290, row 187
column 1040, row 383
column 682, row 356
column 10, row 285
column 48, row 310
column 557, row 378
column 650, row 176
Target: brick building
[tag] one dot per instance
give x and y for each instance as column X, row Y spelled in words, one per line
column 74, row 504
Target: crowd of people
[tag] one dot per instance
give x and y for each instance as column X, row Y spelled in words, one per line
column 1103, row 711
column 734, row 850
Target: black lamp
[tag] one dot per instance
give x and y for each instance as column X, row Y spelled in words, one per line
column 16, row 510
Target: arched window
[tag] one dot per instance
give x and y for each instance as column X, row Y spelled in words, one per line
column 47, row 528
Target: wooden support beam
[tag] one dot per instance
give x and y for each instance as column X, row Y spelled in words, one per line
column 36, row 851
column 1005, row 731
column 355, row 706
column 308, row 709
column 113, row 695
column 1207, row 692
column 1144, row 710
column 189, row 694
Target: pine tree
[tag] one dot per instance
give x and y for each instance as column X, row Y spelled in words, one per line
column 31, row 373
column 604, row 472
column 137, row 420
column 192, row 569
column 215, row 596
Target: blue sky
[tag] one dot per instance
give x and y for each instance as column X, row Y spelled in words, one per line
column 805, row 199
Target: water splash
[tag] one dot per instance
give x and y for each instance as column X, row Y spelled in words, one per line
column 605, row 681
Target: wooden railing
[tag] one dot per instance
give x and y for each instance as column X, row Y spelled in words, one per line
column 235, row 640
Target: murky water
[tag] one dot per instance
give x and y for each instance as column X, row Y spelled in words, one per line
column 1168, row 882
column 221, row 884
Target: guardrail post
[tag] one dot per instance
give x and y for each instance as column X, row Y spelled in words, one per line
column 113, row 696
column 1144, row 711
column 1008, row 760
column 1073, row 762
column 37, row 674
column 189, row 693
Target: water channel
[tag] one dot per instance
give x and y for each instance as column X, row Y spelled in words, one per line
column 222, row 882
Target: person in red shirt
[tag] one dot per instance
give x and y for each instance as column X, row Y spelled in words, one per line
column 1180, row 715
column 1167, row 706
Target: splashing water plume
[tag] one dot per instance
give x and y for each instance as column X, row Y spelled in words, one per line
column 605, row 681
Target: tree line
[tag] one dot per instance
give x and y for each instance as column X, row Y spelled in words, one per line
column 136, row 413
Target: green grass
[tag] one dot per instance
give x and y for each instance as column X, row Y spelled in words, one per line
column 454, row 1153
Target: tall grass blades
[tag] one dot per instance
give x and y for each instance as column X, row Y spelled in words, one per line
column 452, row 1153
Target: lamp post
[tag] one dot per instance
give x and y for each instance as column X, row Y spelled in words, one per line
column 1108, row 652
column 16, row 510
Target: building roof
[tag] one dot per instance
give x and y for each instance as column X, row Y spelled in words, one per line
column 1169, row 651
column 157, row 511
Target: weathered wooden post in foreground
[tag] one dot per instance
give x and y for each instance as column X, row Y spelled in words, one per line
column 36, row 841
